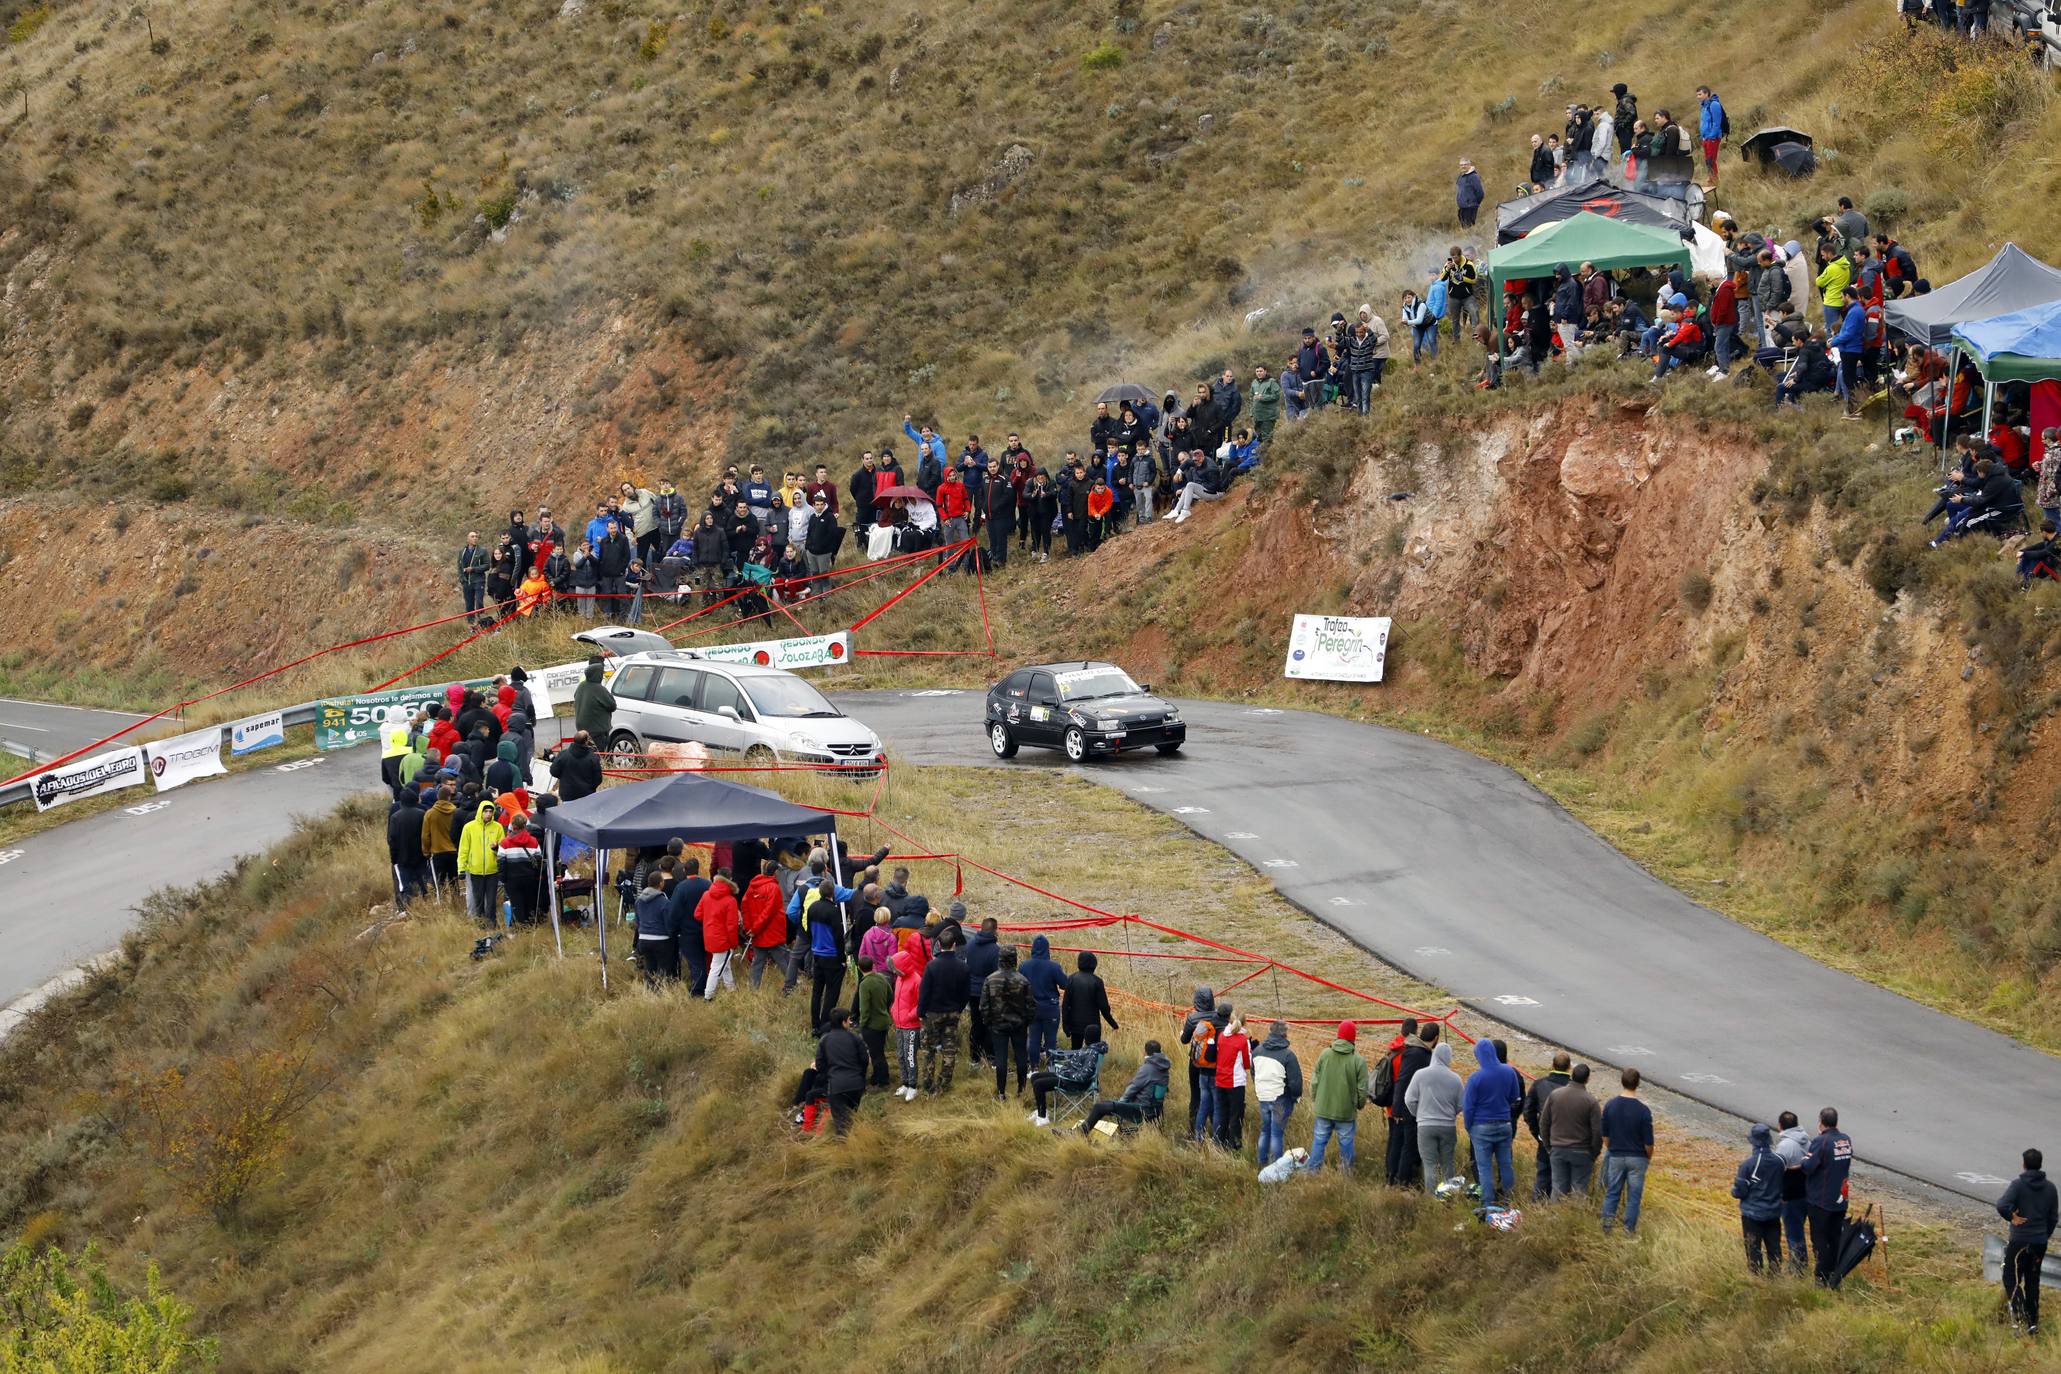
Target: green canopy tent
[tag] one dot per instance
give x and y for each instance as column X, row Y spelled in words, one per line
column 1586, row 237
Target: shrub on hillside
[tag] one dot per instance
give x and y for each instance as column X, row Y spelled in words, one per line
column 1103, row 57
column 69, row 1316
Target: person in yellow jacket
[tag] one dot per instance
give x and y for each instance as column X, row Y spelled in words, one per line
column 393, row 744
column 478, row 861
column 1835, row 274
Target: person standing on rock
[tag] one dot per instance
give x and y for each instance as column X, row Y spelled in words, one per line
column 1266, row 406
column 1467, row 193
column 473, row 563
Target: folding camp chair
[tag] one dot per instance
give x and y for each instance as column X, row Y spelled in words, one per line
column 1155, row 1112
column 1079, row 1074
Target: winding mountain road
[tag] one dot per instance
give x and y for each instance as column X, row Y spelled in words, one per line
column 1450, row 867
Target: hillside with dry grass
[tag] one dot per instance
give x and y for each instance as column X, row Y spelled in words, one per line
column 343, row 1143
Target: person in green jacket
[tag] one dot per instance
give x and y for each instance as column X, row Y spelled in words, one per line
column 1266, row 406
column 478, row 846
column 1338, row 1091
column 594, row 706
column 876, row 1007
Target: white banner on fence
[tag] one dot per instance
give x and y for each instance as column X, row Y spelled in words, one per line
column 70, row 782
column 1337, row 648
column 814, row 651
column 259, row 732
column 182, row 758
column 554, row 685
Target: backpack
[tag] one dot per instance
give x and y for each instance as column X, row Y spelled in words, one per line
column 1724, row 122
column 1202, row 1053
column 1384, row 1079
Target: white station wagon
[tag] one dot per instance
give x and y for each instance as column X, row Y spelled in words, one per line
column 669, row 696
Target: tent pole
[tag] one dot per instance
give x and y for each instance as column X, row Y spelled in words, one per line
column 551, row 878
column 601, row 909
column 1946, row 418
column 1989, row 399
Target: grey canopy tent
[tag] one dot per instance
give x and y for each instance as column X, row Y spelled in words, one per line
column 2012, row 280
column 1516, row 218
column 687, row 806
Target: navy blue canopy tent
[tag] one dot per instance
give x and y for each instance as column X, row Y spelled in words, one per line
column 688, row 806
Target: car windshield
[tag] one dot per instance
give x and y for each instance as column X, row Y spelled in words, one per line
column 1086, row 684
column 787, row 696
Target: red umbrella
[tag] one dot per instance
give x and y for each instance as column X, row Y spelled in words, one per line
column 902, row 493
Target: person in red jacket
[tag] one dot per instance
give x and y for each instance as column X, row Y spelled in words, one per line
column 1724, row 322
column 1234, row 1071
column 765, row 921
column 443, row 735
column 717, row 913
column 954, row 504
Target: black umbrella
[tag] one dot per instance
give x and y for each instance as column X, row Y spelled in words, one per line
column 1123, row 391
column 1856, row 1243
column 1796, row 159
column 1762, row 144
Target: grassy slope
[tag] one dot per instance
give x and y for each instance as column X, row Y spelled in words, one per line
column 509, row 1162
column 779, row 185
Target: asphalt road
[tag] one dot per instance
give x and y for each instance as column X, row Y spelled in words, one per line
column 1450, row 867
column 48, row 730
column 1463, row 874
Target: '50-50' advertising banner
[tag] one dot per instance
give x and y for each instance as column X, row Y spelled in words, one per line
column 341, row 722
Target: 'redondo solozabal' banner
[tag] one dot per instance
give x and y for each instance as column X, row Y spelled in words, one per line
column 1337, row 648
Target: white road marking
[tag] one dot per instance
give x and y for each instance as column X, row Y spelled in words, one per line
column 1262, row 711
column 1343, row 901
column 146, row 808
column 1511, row 999
column 1191, row 811
column 60, row 706
column 8, row 856
column 1283, row 863
column 936, row 692
column 1986, row 1180
column 1432, row 949
column 1626, row 1050
column 1141, row 791
column 1242, row 835
column 1704, row 1078
column 295, row 766
column 19, row 725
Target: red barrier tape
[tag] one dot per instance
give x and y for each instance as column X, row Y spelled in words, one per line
column 236, row 686
column 943, row 563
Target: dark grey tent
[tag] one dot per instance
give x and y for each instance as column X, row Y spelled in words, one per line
column 2012, row 280
column 1763, row 142
column 691, row 806
column 1516, row 218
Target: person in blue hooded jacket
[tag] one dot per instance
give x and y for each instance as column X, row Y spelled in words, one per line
column 1489, row 1107
column 1848, row 342
column 1758, row 1186
column 1047, row 979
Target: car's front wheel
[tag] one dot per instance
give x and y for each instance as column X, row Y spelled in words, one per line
column 1170, row 747
column 1001, row 741
column 760, row 756
column 1076, row 744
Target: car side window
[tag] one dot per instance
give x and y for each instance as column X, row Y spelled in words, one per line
column 1043, row 692
column 1017, row 684
column 634, row 683
column 718, row 691
column 676, row 687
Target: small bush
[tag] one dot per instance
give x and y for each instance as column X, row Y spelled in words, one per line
column 170, row 487
column 656, row 36
column 27, row 22
column 1103, row 57
column 81, row 415
column 63, row 1317
column 497, row 209
column 1886, row 205
column 1694, row 589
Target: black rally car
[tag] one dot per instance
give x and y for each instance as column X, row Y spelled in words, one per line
column 1083, row 709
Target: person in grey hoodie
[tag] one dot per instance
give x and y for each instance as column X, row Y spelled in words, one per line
column 2031, row 1205
column 1433, row 1098
column 1758, row 1186
column 1790, row 1146
column 1151, row 1080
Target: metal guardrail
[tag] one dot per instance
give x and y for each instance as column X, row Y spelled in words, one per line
column 18, row 793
